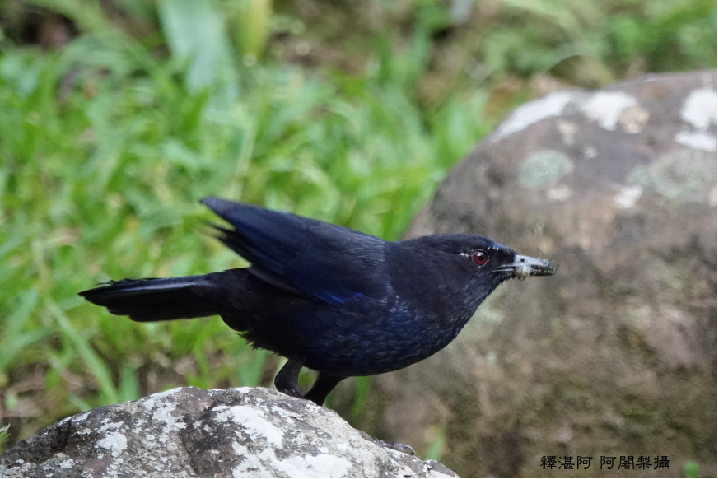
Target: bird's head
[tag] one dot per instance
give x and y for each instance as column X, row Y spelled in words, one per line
column 486, row 258
column 502, row 261
column 463, row 271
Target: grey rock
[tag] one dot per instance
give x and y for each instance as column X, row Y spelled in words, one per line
column 190, row 432
column 616, row 354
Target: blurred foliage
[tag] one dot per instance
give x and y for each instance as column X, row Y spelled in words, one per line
column 113, row 128
column 610, row 38
column 4, row 434
column 437, row 445
column 691, row 469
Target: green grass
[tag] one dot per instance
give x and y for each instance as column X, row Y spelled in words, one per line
column 103, row 155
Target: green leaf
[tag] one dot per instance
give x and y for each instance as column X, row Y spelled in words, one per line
column 436, row 447
column 195, row 32
column 94, row 363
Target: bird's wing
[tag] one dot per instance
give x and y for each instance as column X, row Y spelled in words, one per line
column 301, row 255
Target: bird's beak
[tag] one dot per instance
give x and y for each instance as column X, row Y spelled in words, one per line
column 525, row 266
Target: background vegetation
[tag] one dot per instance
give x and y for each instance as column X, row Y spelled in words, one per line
column 116, row 116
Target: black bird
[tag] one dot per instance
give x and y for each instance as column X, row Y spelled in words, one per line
column 327, row 297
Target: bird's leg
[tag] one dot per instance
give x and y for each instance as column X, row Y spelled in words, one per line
column 322, row 386
column 287, row 377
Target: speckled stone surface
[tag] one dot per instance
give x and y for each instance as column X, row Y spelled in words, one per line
column 616, row 354
column 190, row 432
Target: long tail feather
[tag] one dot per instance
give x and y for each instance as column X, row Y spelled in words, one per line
column 156, row 299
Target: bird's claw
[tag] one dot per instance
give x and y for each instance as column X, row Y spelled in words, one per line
column 295, row 393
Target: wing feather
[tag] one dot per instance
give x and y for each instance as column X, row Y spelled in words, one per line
column 301, row 255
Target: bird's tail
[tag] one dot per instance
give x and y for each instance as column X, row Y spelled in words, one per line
column 156, row 299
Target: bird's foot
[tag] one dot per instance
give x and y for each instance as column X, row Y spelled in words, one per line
column 286, row 380
column 392, row 445
column 294, row 392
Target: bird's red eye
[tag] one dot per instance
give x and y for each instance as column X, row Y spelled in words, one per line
column 480, row 257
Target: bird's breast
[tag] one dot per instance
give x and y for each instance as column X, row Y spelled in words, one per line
column 379, row 339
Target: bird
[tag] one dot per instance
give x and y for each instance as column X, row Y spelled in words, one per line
column 327, row 297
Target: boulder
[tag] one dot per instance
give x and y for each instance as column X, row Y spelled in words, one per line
column 190, row 432
column 616, row 354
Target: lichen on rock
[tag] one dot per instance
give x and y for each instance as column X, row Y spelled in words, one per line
column 190, row 432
